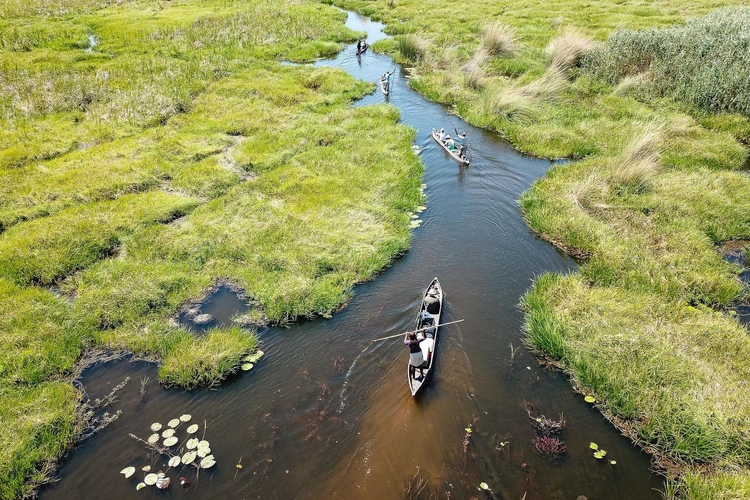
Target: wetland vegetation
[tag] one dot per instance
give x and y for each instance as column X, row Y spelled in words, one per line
column 175, row 153
column 651, row 101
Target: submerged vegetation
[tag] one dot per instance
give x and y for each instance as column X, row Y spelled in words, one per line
column 173, row 154
column 651, row 100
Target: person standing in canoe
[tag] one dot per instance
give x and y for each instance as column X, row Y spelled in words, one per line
column 415, row 354
column 387, row 78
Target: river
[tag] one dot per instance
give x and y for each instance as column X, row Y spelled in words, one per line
column 328, row 415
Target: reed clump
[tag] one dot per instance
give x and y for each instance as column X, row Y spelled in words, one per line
column 567, row 50
column 499, row 39
column 704, row 62
column 411, row 47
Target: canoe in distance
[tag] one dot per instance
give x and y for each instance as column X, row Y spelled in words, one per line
column 454, row 154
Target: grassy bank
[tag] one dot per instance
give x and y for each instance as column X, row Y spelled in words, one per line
column 660, row 140
column 173, row 153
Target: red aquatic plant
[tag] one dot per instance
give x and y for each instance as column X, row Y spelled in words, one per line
column 550, row 446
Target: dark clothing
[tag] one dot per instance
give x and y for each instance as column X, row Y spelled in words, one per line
column 413, row 345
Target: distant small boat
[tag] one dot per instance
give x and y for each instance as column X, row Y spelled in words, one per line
column 362, row 49
column 432, row 303
column 384, row 87
column 454, row 154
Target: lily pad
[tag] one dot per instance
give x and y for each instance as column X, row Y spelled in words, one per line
column 128, row 471
column 150, row 479
column 484, row 486
column 160, row 475
column 193, row 429
column 415, row 223
column 598, row 455
column 603, row 452
column 174, row 461
column 153, row 438
column 192, row 443
column 140, row 486
column 171, row 441
column 146, row 468
column 185, row 418
column 155, row 427
column 204, row 452
column 613, row 462
column 247, row 366
column 203, row 444
column 468, row 430
column 254, row 357
column 167, row 433
column 208, row 462
column 594, row 446
column 590, row 399
column 188, row 457
column 174, row 423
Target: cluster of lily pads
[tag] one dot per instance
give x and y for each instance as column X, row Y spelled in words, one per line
column 600, row 454
column 249, row 361
column 193, row 452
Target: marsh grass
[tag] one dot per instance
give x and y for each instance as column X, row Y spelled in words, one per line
column 411, row 47
column 180, row 112
column 567, row 50
column 704, row 62
column 519, row 101
column 208, row 360
column 499, row 39
column 639, row 162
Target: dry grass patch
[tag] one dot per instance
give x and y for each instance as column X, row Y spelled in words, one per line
column 499, row 39
column 518, row 101
column 567, row 50
column 640, row 160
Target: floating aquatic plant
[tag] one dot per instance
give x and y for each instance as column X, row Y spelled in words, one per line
column 189, row 457
column 484, row 486
column 128, row 471
column 156, row 427
column 150, row 479
column 590, row 399
column 146, row 468
column 208, row 462
column 193, row 429
column 613, row 462
column 174, row 423
column 550, row 446
column 174, row 461
column 192, row 443
column 167, row 433
column 153, row 438
column 594, row 446
column 170, row 441
column 247, row 367
column 185, row 418
column 140, row 486
column 254, row 357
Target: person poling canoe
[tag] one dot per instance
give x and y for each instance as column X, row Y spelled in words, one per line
column 361, row 46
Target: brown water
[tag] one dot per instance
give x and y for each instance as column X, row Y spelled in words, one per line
column 328, row 415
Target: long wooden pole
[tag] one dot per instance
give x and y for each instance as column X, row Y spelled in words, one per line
column 415, row 331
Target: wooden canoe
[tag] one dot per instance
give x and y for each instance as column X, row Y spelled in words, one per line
column 454, row 154
column 432, row 302
column 383, row 87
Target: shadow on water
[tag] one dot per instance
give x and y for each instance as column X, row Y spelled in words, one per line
column 735, row 252
column 327, row 414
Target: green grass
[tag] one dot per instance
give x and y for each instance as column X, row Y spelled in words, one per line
column 176, row 154
column 660, row 179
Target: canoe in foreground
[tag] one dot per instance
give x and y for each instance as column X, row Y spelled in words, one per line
column 454, row 154
column 429, row 314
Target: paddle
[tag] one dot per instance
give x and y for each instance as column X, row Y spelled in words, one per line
column 415, row 331
column 458, row 134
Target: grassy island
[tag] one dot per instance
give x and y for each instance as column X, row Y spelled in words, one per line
column 150, row 149
column 651, row 102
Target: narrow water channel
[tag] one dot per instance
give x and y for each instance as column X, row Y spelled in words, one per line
column 327, row 415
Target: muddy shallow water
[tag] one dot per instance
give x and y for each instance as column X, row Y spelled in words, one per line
column 328, row 415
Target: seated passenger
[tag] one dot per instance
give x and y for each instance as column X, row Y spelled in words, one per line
column 441, row 135
column 450, row 143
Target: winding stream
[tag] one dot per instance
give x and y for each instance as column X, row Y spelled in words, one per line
column 324, row 416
